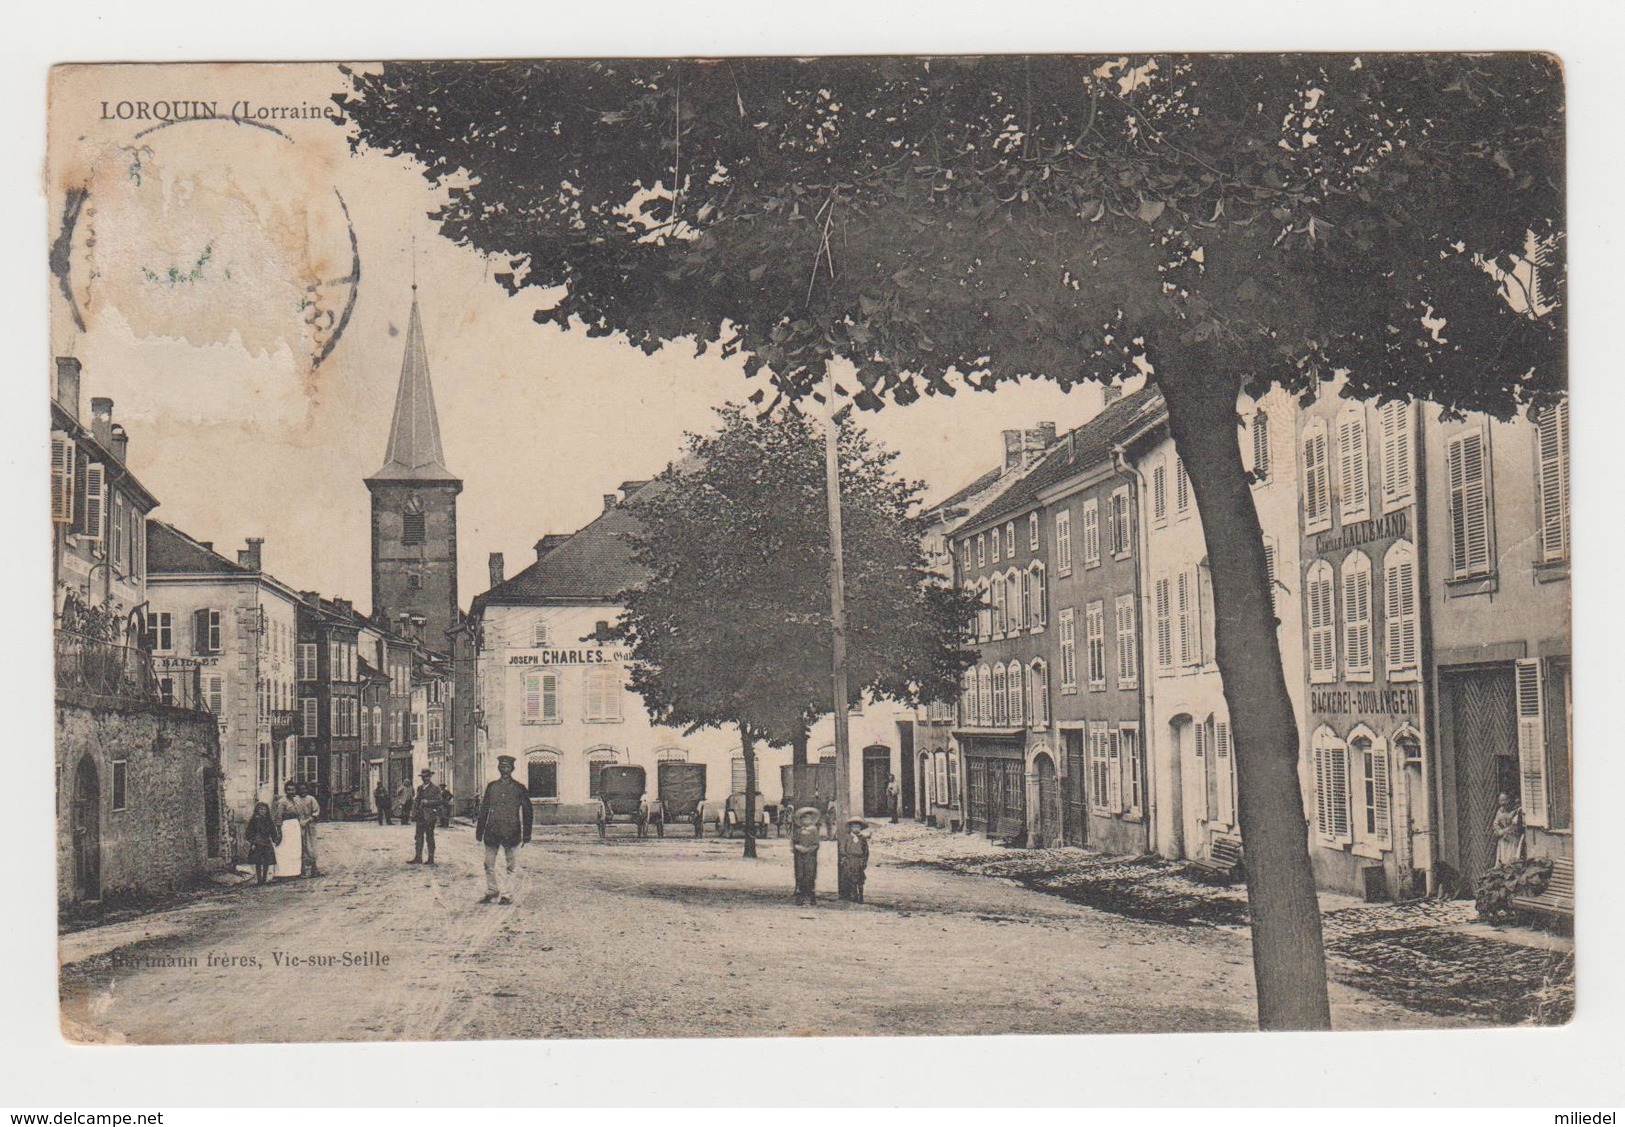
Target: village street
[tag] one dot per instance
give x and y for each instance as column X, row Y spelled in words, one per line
column 664, row 937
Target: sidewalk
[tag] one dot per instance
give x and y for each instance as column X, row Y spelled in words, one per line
column 1430, row 956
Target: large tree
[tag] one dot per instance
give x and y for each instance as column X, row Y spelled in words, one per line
column 1234, row 222
column 730, row 624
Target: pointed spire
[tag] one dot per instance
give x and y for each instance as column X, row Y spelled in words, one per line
column 414, row 452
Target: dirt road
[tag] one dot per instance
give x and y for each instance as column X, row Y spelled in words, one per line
column 657, row 938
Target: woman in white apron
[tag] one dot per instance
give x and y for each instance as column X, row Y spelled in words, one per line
column 285, row 812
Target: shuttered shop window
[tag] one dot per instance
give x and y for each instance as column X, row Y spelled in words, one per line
column 1331, row 786
column 1470, row 533
column 1322, row 623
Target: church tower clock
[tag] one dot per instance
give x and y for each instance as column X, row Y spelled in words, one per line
column 414, row 509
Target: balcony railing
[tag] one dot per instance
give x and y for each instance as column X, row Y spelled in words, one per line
column 125, row 673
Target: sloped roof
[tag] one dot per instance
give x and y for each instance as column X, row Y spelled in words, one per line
column 414, row 452
column 982, row 483
column 171, row 552
column 1077, row 450
column 594, row 565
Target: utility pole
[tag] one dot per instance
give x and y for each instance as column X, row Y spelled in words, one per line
column 837, row 605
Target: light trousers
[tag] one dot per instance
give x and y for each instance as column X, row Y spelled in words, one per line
column 508, row 868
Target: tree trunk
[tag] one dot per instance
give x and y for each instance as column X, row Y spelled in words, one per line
column 1289, row 959
column 798, row 748
column 749, row 745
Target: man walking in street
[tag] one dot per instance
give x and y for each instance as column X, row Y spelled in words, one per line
column 504, row 823
column 309, row 810
column 380, row 799
column 426, row 812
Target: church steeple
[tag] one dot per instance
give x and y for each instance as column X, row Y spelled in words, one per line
column 414, row 452
column 414, row 509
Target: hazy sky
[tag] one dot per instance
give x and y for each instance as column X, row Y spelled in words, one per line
column 195, row 249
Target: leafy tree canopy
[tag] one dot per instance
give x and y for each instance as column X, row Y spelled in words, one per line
column 1396, row 215
column 732, row 623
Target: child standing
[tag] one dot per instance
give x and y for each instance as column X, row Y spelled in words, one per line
column 804, row 849
column 263, row 835
column 853, row 858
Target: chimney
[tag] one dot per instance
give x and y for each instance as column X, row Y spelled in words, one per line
column 341, row 605
column 1035, row 441
column 498, row 568
column 1114, row 392
column 249, row 557
column 121, row 444
column 101, row 422
column 207, row 545
column 1012, row 450
column 67, row 385
column 628, row 488
column 609, row 502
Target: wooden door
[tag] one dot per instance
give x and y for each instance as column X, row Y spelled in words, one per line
column 1486, row 760
column 1046, row 823
column 1076, row 815
column 876, row 769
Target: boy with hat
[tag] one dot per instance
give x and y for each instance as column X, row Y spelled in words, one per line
column 804, row 850
column 426, row 811
column 504, row 822
column 852, row 855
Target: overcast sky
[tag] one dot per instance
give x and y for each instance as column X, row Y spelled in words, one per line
column 199, row 242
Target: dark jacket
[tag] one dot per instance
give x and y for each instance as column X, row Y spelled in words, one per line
column 426, row 805
column 505, row 814
column 853, row 851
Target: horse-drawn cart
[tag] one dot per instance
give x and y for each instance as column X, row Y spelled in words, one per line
column 681, row 789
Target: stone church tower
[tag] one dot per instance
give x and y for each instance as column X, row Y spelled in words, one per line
column 414, row 510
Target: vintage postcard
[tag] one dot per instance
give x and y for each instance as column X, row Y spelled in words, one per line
column 761, row 546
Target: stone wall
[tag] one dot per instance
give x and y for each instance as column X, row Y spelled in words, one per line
column 158, row 842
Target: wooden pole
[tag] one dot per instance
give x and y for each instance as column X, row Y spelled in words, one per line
column 837, row 607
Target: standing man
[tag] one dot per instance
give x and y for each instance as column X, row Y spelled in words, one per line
column 891, row 797
column 504, row 822
column 380, row 799
column 445, row 806
column 426, row 813
column 403, row 801
column 309, row 811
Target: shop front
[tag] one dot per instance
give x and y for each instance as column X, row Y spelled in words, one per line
column 995, row 783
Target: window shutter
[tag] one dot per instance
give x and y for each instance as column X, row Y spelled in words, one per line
column 1552, row 446
column 1353, row 477
column 1182, row 485
column 1317, row 502
column 1223, row 769
column 1014, row 677
column 1357, row 613
column 64, row 457
column 1261, row 447
column 1159, row 492
column 1322, row 623
column 1270, row 574
column 95, row 523
column 1531, row 742
column 1091, row 533
column 1114, row 773
column 1394, row 419
column 1165, row 650
column 1469, row 506
column 1379, row 789
column 1338, row 776
column 1187, row 654
column 1323, row 806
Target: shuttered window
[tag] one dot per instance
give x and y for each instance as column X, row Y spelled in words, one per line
column 1162, row 615
column 1122, row 524
column 64, row 461
column 1317, row 478
column 1129, row 735
column 541, row 698
column 1063, row 542
column 309, row 717
column 984, row 615
column 1398, row 458
column 1357, row 663
column 1014, row 676
column 1069, row 651
column 984, row 695
column 967, row 698
column 1159, row 492
column 1100, row 767
column 1261, row 447
column 1317, row 588
column 1032, row 532
column 1182, row 487
column 307, row 661
column 1095, row 628
column 1001, row 697
column 1470, row 533
column 1010, row 540
column 1331, row 786
column 1114, row 771
column 1353, row 478
column 602, row 690
column 1224, row 771
column 1375, row 821
column 981, row 550
column 1531, row 705
column 94, row 525
column 1091, row 532
column 1040, row 694
column 1037, row 596
column 1552, row 480
column 994, row 537
column 1272, row 576
column 1401, row 625
column 1128, row 650
column 998, row 604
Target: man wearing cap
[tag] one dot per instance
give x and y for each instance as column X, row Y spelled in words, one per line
column 504, row 822
column 426, row 813
column 804, row 850
column 852, row 855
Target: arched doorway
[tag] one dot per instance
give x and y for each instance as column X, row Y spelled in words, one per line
column 1046, row 826
column 87, row 832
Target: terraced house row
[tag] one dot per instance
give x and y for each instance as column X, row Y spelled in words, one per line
column 1419, row 571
